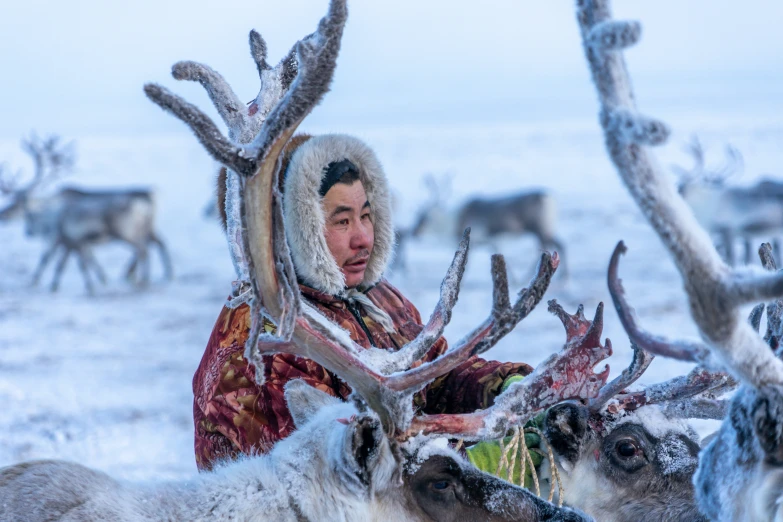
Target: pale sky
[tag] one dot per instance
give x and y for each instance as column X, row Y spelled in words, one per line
column 79, row 66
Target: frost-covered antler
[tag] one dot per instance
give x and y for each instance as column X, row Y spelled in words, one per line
column 738, row 476
column 699, row 173
column 244, row 123
column 301, row 330
column 698, row 388
column 715, row 291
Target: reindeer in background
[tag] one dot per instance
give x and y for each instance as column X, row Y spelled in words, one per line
column 74, row 220
column 369, row 459
column 740, row 472
column 729, row 212
column 527, row 212
column 438, row 191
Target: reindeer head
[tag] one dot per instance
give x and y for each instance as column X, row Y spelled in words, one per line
column 51, row 159
column 630, row 455
column 345, row 444
column 639, row 468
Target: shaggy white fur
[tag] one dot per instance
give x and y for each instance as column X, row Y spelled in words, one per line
column 304, row 219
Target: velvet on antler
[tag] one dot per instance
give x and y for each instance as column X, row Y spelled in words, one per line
column 384, row 381
column 714, row 290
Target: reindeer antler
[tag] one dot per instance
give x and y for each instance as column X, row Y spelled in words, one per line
column 563, row 376
column 301, row 330
column 695, row 388
column 714, row 290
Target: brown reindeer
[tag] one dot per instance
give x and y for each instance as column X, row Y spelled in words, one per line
column 528, row 212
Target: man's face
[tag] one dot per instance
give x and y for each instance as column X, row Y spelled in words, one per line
column 349, row 229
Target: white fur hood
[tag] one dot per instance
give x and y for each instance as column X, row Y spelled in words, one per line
column 304, row 219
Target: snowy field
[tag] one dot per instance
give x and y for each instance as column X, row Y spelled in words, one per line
column 106, row 381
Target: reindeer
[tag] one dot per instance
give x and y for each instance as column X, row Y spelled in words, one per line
column 731, row 212
column 533, row 212
column 630, row 456
column 740, row 472
column 368, row 459
column 74, row 220
column 438, row 189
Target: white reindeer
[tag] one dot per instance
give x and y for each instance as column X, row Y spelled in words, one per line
column 370, row 459
column 730, row 212
column 740, row 472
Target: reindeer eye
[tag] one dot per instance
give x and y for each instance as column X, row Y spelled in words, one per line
column 626, row 448
column 440, row 485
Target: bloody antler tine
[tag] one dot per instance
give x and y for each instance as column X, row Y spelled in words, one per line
column 566, row 375
column 593, row 334
column 575, row 325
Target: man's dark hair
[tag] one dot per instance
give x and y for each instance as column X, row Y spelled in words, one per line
column 338, row 172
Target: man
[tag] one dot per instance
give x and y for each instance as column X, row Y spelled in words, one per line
column 337, row 214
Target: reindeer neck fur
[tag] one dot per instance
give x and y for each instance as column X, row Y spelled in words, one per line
column 308, row 476
column 740, row 475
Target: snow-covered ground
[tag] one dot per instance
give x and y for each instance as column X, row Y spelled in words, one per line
column 106, row 381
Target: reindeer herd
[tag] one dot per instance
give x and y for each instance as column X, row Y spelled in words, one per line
column 619, row 454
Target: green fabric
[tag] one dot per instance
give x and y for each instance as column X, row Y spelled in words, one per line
column 509, row 381
column 486, row 455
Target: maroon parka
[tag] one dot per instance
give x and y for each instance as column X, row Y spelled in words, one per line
column 233, row 415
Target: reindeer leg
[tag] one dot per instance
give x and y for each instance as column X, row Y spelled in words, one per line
column 130, row 272
column 90, row 258
column 58, row 272
column 164, row 256
column 143, row 267
column 82, row 257
column 45, row 258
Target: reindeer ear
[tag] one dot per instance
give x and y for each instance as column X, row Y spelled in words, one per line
column 304, row 401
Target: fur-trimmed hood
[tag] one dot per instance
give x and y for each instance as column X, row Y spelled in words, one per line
column 304, row 219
